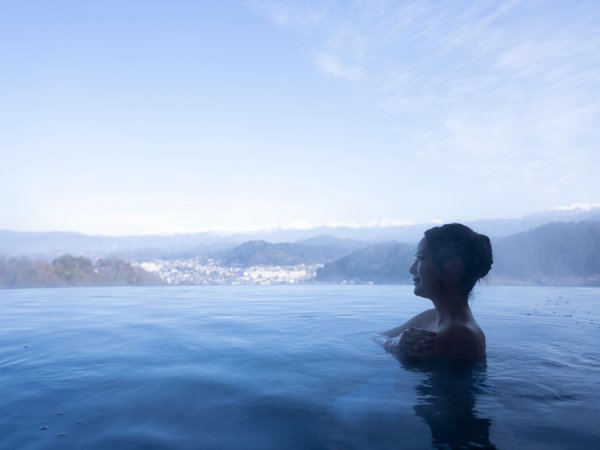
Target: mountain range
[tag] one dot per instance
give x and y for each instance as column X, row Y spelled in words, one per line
column 53, row 244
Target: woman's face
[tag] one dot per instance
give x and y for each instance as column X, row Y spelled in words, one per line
column 426, row 274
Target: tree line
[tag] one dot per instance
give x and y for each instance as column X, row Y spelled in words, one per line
column 68, row 270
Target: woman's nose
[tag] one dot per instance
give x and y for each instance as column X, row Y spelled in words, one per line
column 413, row 268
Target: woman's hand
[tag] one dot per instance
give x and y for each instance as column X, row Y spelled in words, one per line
column 412, row 342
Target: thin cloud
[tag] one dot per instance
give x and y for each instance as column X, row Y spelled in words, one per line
column 290, row 14
column 506, row 89
column 332, row 66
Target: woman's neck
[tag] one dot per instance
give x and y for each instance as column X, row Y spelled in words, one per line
column 452, row 307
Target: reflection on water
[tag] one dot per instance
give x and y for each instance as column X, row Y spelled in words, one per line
column 446, row 400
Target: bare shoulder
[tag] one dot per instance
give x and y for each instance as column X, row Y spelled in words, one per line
column 461, row 341
column 421, row 320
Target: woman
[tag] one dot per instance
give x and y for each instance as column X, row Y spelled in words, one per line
column 450, row 259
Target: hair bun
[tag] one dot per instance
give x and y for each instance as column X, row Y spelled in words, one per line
column 485, row 260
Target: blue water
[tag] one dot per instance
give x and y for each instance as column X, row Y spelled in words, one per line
column 290, row 368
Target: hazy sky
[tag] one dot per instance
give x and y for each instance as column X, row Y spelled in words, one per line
column 147, row 116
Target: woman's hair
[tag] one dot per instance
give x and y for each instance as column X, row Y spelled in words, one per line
column 455, row 239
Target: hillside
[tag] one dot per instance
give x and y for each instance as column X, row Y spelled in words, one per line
column 557, row 252
column 69, row 270
column 388, row 262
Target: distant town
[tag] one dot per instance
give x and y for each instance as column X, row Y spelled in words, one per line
column 207, row 271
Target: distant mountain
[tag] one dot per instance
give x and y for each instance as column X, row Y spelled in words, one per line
column 387, row 262
column 314, row 251
column 558, row 253
column 325, row 240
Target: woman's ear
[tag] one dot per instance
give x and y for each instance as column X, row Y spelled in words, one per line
column 453, row 268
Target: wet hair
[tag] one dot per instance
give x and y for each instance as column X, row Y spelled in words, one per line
column 455, row 239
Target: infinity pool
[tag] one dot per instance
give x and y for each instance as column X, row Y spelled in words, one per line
column 290, row 368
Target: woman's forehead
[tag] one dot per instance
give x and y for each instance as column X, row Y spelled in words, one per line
column 422, row 246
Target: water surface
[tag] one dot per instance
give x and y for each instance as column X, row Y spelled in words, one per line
column 290, row 367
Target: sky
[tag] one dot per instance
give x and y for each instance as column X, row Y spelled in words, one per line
column 138, row 117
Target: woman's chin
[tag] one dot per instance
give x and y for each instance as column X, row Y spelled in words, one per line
column 419, row 292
